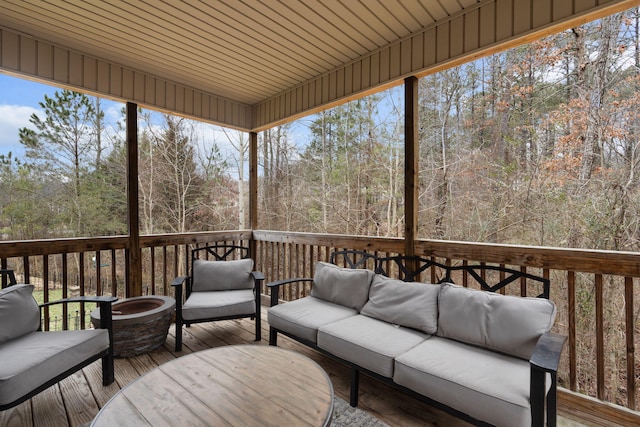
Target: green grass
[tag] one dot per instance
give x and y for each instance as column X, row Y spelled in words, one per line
column 56, row 311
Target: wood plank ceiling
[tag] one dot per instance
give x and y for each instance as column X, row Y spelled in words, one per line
column 200, row 57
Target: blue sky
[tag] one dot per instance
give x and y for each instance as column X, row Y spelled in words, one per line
column 19, row 99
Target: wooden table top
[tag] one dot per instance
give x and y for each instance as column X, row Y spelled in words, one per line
column 243, row 385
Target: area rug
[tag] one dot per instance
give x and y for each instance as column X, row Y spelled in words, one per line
column 346, row 416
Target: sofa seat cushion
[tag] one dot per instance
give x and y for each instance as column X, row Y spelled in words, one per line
column 368, row 342
column 209, row 305
column 35, row 358
column 489, row 386
column 304, row 316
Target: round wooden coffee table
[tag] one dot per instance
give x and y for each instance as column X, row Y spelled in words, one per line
column 245, row 385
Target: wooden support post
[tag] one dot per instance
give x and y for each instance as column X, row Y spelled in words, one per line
column 411, row 169
column 134, row 258
column 253, row 189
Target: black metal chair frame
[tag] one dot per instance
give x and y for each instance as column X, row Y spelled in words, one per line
column 545, row 359
column 104, row 303
column 203, row 253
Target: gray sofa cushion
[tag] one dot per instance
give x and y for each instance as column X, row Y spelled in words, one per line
column 368, row 342
column 489, row 386
column 222, row 275
column 19, row 312
column 508, row 324
column 410, row 304
column 205, row 305
column 35, row 358
column 304, row 316
column 345, row 286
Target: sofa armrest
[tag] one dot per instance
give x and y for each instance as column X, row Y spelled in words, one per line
column 546, row 355
column 545, row 360
column 274, row 287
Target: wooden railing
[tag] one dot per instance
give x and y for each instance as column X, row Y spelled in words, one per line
column 595, row 291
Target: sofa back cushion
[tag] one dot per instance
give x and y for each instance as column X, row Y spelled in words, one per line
column 507, row 324
column 19, row 312
column 410, row 304
column 344, row 286
column 222, row 275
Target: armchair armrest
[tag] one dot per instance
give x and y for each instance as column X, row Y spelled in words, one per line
column 176, row 284
column 83, row 299
column 257, row 275
column 104, row 302
column 274, row 287
column 178, row 281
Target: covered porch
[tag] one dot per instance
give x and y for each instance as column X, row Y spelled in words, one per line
column 144, row 67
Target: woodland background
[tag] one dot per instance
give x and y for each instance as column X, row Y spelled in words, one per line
column 537, row 145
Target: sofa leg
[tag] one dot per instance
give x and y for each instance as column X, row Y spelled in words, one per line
column 537, row 397
column 552, row 399
column 273, row 337
column 355, row 385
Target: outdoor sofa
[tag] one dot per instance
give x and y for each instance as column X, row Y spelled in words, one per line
column 485, row 357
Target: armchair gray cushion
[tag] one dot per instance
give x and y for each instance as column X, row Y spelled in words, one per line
column 344, row 286
column 222, row 275
column 209, row 305
column 19, row 312
column 35, row 358
column 410, row 304
column 507, row 324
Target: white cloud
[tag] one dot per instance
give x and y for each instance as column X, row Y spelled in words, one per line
column 12, row 118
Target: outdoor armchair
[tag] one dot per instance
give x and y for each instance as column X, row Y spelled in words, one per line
column 222, row 286
column 32, row 359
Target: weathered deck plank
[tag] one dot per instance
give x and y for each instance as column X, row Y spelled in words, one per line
column 48, row 408
column 79, row 397
column 18, row 416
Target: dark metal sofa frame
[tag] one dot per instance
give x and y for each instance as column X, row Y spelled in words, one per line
column 545, row 359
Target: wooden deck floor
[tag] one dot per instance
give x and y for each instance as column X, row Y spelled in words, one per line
column 77, row 399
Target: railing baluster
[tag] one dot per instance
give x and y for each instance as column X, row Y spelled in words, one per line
column 45, row 289
column 65, row 291
column 630, row 344
column 98, row 273
column 571, row 316
column 165, row 273
column 114, row 278
column 26, row 269
column 152, row 268
column 600, row 386
column 82, row 287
